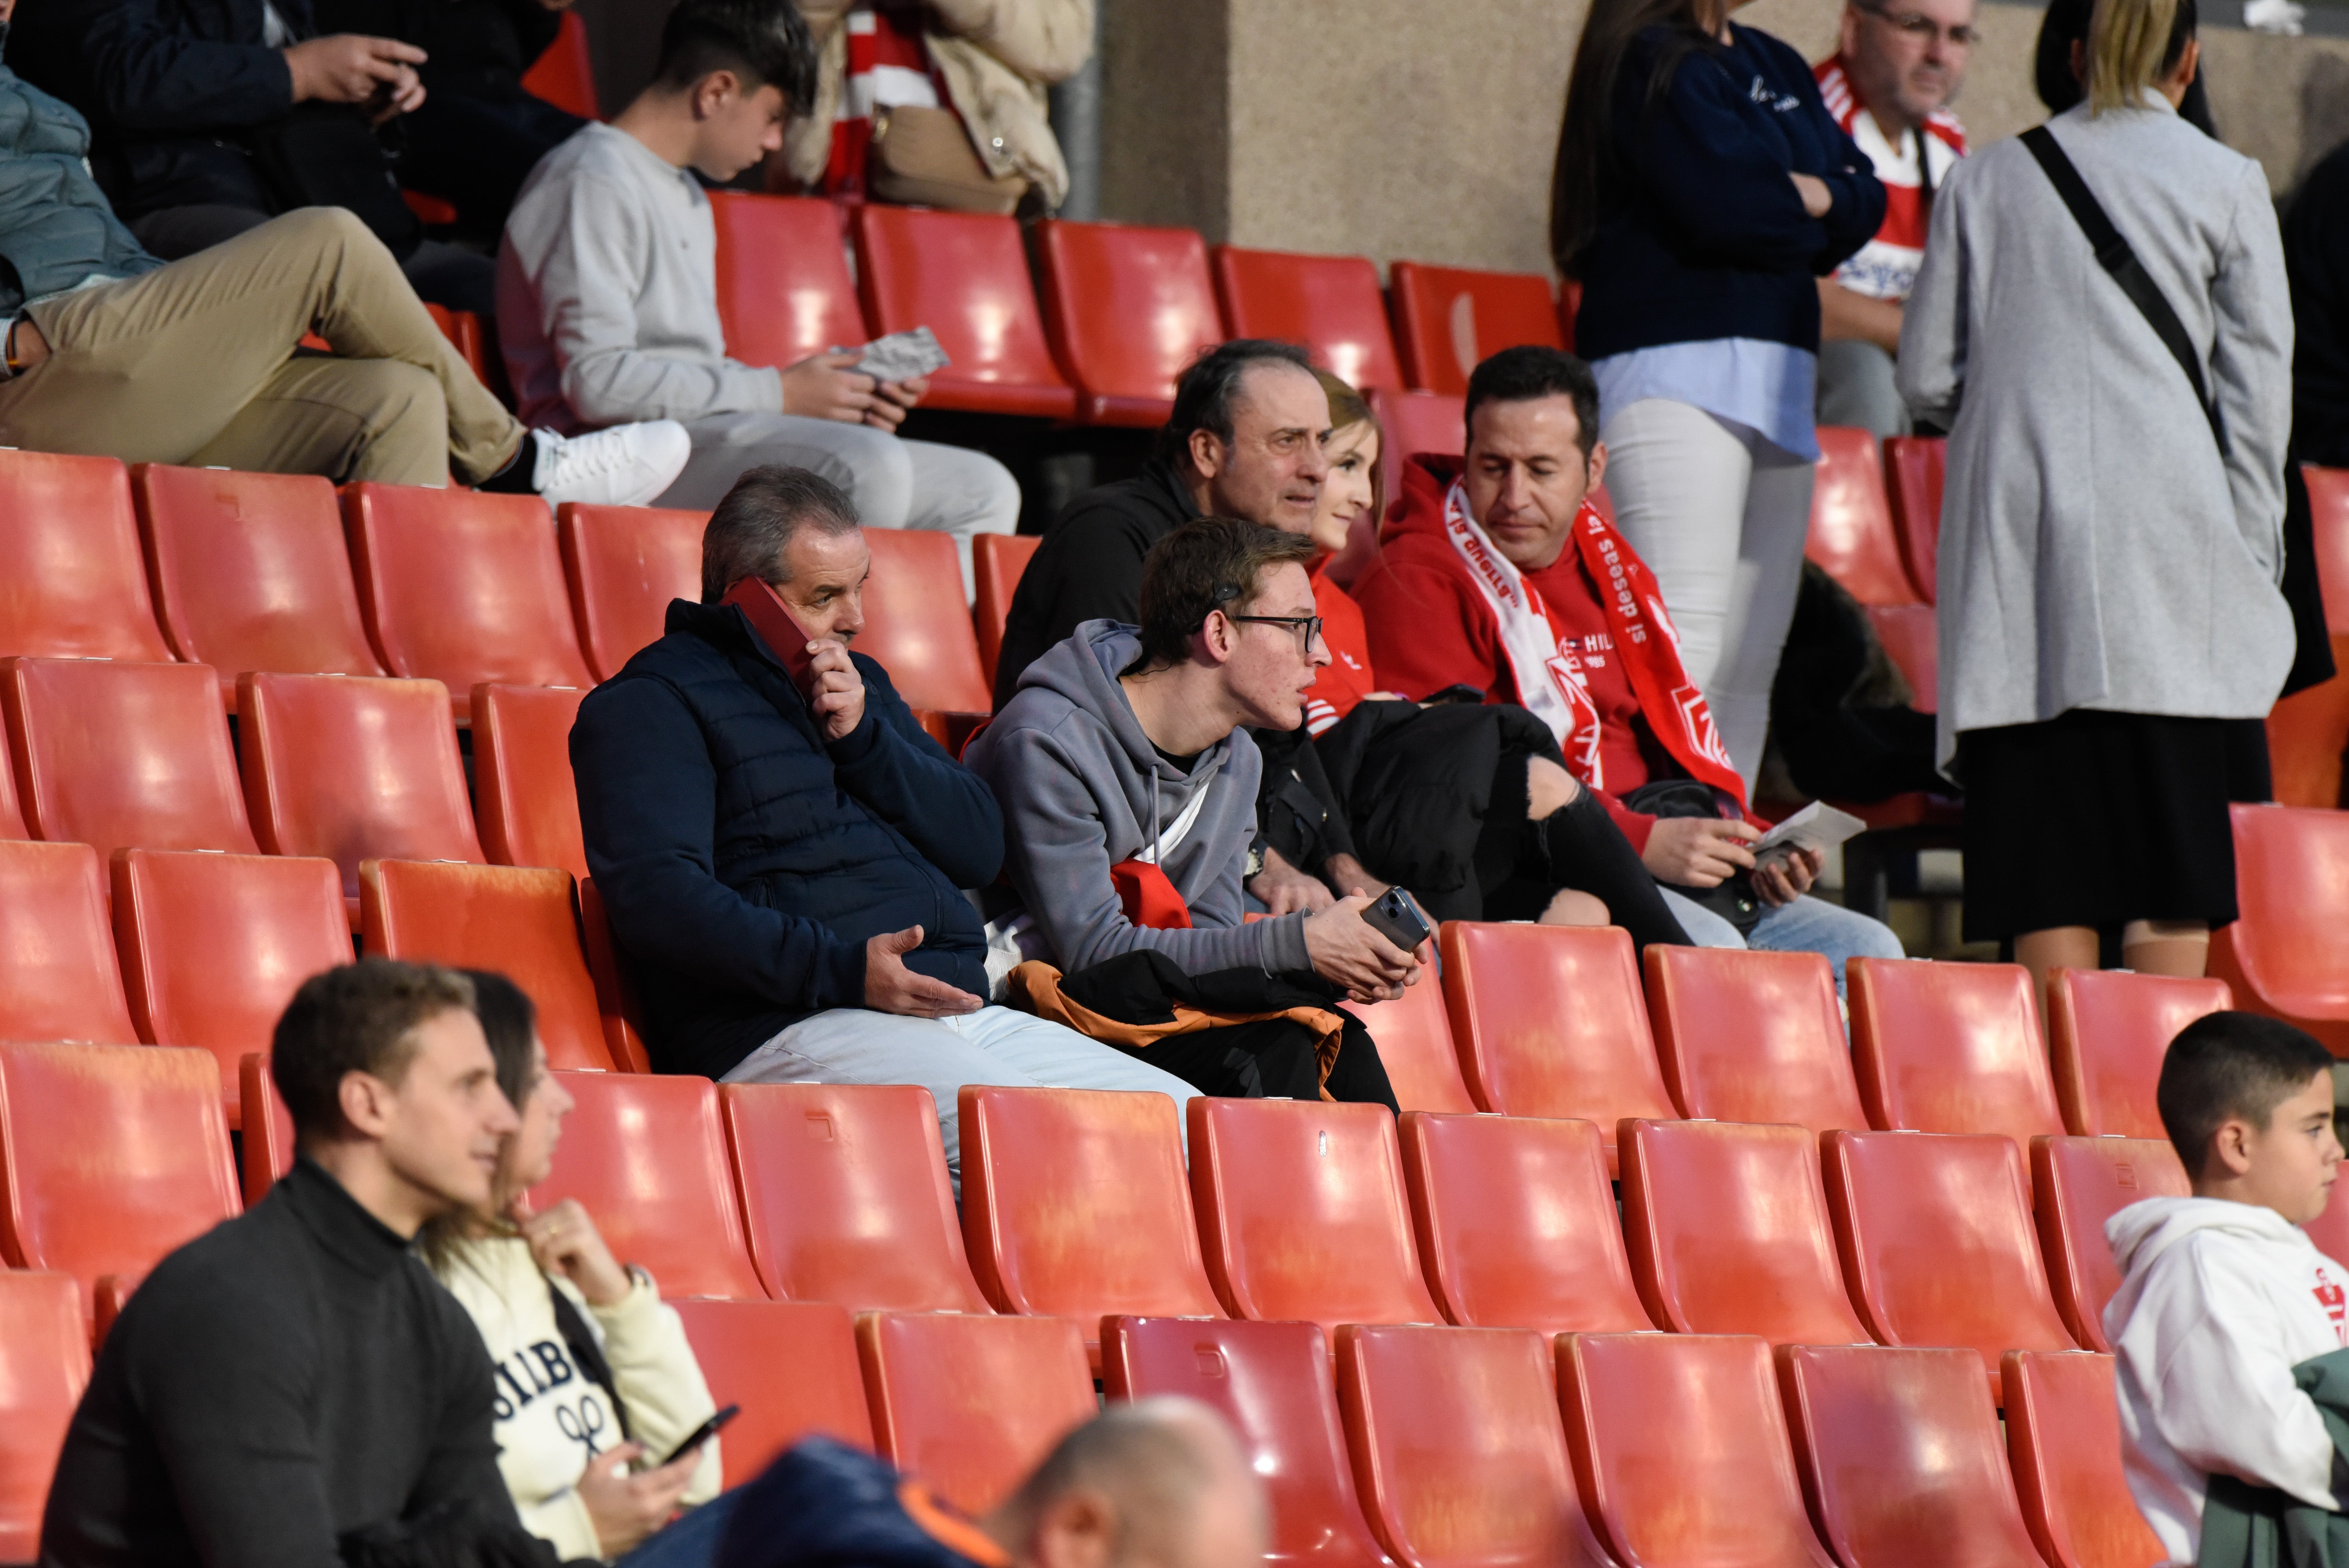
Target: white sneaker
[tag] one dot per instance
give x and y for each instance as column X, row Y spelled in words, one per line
column 626, row 465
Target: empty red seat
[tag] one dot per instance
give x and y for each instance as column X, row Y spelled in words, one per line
column 2064, row 1444
column 251, row 571
column 1448, row 320
column 1517, row 1227
column 352, row 769
column 1414, row 1038
column 1851, row 520
column 528, row 804
column 1302, row 1211
column 1074, row 1204
column 1416, row 422
column 521, row 921
column 1911, row 638
column 963, row 275
column 792, row 1367
column 1330, row 304
column 110, row 1157
column 461, row 586
column 1550, row 1022
column 919, row 625
column 844, row 1186
column 969, row 1405
column 1459, row 1453
column 1681, row 1452
column 1913, row 466
column 72, row 582
column 2287, row 955
column 213, row 946
column 1127, row 310
column 997, row 562
column 2108, row 1030
column 564, row 75
column 44, row 1366
column 265, row 1146
column 1727, row 1233
column 1937, row 1242
column 117, row 754
column 1752, row 1035
column 625, row 564
column 2080, row 1183
column 784, row 288
column 646, row 1159
column 58, row 978
column 1271, row 1381
column 2309, row 730
column 1949, row 1048
column 1902, row 1458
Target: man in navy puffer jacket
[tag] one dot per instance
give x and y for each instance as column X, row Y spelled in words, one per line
column 782, row 856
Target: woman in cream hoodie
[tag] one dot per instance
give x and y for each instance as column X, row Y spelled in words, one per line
column 570, row 1431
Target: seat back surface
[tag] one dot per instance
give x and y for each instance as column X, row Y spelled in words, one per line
column 1449, row 320
column 1851, row 521
column 997, row 562
column 72, row 582
column 969, row 1405
column 2107, row 1032
column 1127, row 310
column 528, row 803
column 1752, row 1036
column 792, row 1367
column 1330, row 304
column 44, row 1367
column 1950, row 1047
column 1913, row 466
column 624, row 564
column 916, row 625
column 784, row 288
column 2077, row 1184
column 1413, row 1033
column 2064, row 1445
column 58, row 976
column 2287, row 955
column 965, row 276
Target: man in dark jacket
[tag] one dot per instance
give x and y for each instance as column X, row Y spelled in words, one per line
column 780, row 844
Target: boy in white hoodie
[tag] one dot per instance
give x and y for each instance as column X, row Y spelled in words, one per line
column 2222, row 1294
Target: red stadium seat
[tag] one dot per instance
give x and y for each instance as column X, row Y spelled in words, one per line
column 646, row 1157
column 566, row 75
column 969, row 1405
column 1681, row 1452
column 1330, row 304
column 1416, row 422
column 2108, row 1030
column 844, row 1186
column 784, row 288
column 792, row 1367
column 2287, row 955
column 1569, row 306
column 528, row 805
column 919, row 625
column 1459, row 1454
column 1271, row 1382
column 1727, row 1233
column 616, row 990
column 462, row 329
column 1902, row 1458
column 112, row 755
column 2309, row 730
column 59, row 979
column 1414, row 1039
column 72, row 583
column 461, row 587
column 1127, row 310
column 521, row 921
column 351, row 769
column 1752, row 1035
column 213, row 946
column 2081, row 1183
column 44, row 1366
column 625, row 564
column 1851, row 521
column 1911, row 639
column 266, row 1144
column 1302, row 1211
column 2064, row 1444
column 997, row 562
column 110, row 1157
column 1949, row 1048
column 1936, row 1236
column 1074, row 1205
column 12, row 819
column 251, row 571
column 1912, row 472
column 963, row 275
column 1550, row 1022
column 1448, row 320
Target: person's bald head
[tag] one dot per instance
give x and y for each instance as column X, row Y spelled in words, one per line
column 1156, row 1483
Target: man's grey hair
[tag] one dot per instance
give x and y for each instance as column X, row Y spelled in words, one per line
column 753, row 526
column 1205, row 393
column 1155, row 1460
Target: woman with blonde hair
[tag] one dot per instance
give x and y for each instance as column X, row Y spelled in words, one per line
column 2103, row 324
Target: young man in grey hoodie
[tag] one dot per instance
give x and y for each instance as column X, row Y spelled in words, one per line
column 1127, row 743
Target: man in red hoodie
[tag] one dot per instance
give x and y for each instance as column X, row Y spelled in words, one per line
column 1496, row 572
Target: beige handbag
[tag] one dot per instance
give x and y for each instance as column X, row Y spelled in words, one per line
column 922, row 157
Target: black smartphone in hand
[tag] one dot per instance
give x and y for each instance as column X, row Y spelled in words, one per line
column 701, row 1434
column 1397, row 918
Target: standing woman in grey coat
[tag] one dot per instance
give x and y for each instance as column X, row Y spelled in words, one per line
column 2111, row 630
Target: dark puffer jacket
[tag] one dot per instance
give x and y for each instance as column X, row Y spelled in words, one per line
column 745, row 863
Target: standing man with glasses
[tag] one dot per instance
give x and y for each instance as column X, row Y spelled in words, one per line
column 1890, row 84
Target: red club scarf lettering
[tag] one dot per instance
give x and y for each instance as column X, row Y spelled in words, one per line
column 1551, row 679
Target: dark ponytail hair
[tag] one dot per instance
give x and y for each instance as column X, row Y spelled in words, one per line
column 1586, row 138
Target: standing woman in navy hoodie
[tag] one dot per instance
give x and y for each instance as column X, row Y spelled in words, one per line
column 1702, row 188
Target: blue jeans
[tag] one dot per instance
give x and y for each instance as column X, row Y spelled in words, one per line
column 689, row 1542
column 1806, row 925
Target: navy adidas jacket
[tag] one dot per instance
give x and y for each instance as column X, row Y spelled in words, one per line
column 744, row 863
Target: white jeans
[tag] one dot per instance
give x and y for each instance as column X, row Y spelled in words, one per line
column 992, row 1045
column 1719, row 515
column 894, row 483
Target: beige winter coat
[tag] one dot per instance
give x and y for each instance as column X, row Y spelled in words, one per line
column 997, row 56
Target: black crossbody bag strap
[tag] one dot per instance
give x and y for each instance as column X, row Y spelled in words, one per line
column 2113, row 254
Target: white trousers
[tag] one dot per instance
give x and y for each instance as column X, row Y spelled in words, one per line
column 1719, row 515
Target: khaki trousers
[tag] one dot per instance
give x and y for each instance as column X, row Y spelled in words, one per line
column 194, row 363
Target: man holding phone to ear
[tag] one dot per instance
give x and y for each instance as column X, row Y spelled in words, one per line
column 780, row 844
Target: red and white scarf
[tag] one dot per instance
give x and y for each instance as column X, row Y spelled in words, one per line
column 1551, row 682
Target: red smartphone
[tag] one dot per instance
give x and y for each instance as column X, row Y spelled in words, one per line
column 772, row 620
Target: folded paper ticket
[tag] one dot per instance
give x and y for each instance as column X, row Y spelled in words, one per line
column 1817, row 826
column 902, row 356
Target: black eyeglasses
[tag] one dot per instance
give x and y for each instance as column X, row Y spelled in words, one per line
column 1310, row 625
